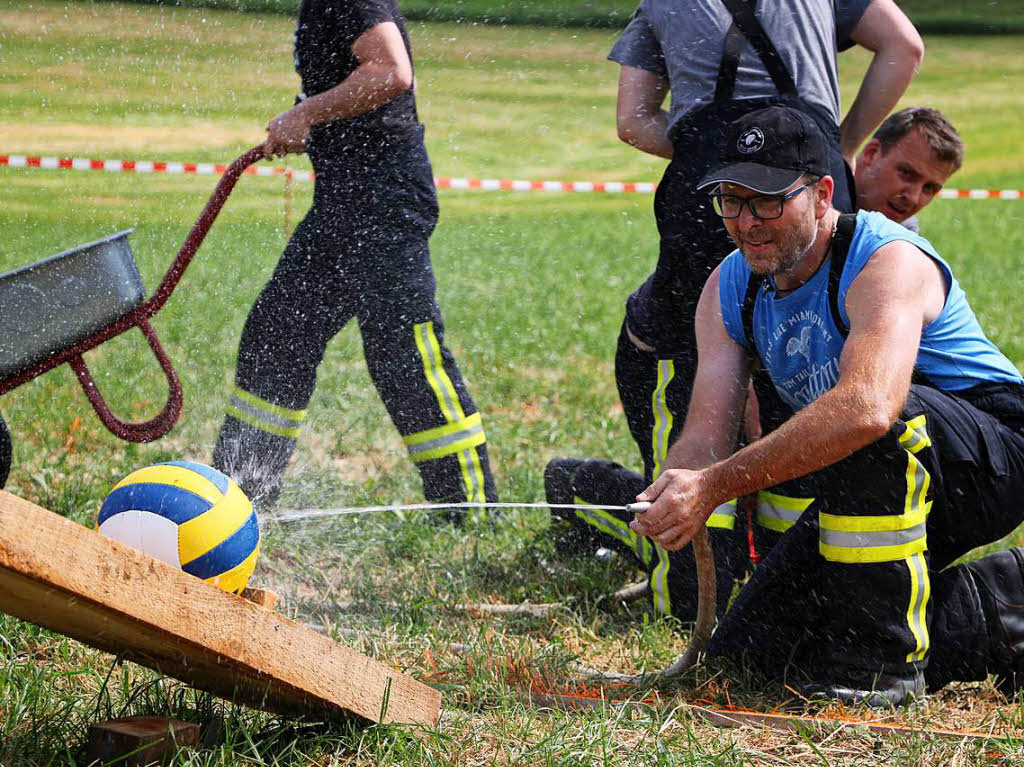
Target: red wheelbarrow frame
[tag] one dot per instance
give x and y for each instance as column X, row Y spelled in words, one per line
column 156, row 427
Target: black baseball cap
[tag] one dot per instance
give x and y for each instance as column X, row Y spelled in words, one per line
column 768, row 150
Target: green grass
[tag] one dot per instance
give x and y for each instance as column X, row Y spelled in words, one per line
column 930, row 16
column 532, row 287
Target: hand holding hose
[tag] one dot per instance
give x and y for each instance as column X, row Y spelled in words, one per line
column 675, row 509
column 680, row 504
column 287, row 133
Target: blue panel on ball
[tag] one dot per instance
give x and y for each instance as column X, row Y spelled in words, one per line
column 218, row 479
column 230, row 553
column 173, row 503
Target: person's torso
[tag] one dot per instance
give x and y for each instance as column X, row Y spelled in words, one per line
column 692, row 40
column 799, row 343
column 324, row 35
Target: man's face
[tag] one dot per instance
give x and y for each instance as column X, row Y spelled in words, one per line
column 774, row 246
column 898, row 182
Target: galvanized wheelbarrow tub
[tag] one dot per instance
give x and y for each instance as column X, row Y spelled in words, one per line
column 55, row 310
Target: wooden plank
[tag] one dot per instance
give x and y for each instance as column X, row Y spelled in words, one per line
column 265, row 598
column 70, row 579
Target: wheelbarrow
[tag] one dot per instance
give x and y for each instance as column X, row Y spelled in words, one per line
column 55, row 310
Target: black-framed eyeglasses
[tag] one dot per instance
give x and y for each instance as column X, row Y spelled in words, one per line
column 765, row 206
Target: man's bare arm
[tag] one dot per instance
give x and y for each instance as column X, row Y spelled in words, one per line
column 384, row 71
column 639, row 117
column 896, row 294
column 885, row 30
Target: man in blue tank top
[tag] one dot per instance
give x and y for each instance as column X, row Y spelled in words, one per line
column 902, row 447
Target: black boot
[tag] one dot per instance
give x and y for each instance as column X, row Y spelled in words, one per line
column 978, row 628
column 1000, row 582
column 875, row 690
column 254, row 458
column 572, row 537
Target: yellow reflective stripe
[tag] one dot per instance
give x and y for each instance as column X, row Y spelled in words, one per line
column 174, row 476
column 915, row 437
column 773, row 524
column 789, row 502
column 642, row 546
column 448, row 400
column 871, row 554
column 270, row 428
column 920, row 592
column 609, row 524
column 460, row 446
column 779, row 512
column 236, row 579
column 447, row 440
column 887, row 522
column 868, row 539
column 268, row 407
column 663, row 418
column 724, row 516
column 212, row 527
column 646, row 550
column 473, row 472
column 918, row 480
column 659, row 582
column 445, row 430
column 433, row 369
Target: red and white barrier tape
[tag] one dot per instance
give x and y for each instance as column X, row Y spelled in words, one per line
column 444, row 182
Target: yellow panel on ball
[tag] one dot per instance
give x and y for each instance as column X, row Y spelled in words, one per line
column 189, row 515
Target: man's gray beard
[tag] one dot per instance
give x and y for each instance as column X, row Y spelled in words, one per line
column 798, row 254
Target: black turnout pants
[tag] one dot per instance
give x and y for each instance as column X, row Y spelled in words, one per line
column 849, row 590
column 361, row 252
column 655, row 387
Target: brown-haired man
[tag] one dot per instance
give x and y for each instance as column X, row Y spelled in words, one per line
column 906, row 163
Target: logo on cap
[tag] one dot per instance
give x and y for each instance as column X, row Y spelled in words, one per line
column 750, row 141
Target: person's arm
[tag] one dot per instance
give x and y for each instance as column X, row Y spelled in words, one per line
column 384, row 71
column 888, row 304
column 717, row 403
column 885, row 30
column 640, row 120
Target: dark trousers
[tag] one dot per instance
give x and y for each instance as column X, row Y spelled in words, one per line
column 671, row 575
column 360, row 253
column 850, row 588
column 651, row 395
column 655, row 387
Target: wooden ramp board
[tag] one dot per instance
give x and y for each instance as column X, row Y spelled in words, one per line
column 70, row 579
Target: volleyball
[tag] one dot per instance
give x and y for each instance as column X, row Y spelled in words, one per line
column 188, row 515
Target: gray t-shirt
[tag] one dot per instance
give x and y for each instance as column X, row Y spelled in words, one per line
column 683, row 42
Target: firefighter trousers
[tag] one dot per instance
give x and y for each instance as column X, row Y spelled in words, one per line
column 653, row 396
column 361, row 252
column 863, row 547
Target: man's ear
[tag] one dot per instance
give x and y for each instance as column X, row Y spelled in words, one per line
column 871, row 152
column 823, row 191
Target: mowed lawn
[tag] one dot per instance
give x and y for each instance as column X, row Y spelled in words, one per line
column 531, row 285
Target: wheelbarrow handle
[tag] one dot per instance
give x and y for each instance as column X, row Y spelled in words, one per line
column 146, row 431
column 199, row 230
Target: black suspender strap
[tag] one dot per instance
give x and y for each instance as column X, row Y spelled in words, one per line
column 743, row 15
column 735, row 42
column 747, row 311
column 845, row 227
